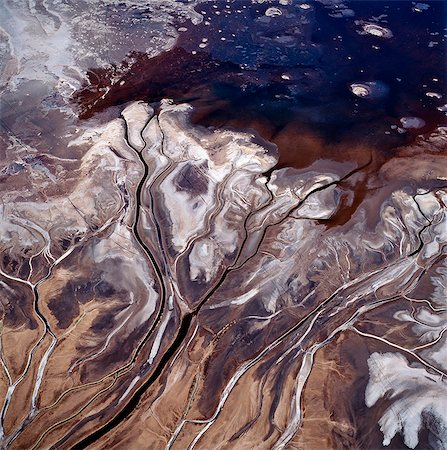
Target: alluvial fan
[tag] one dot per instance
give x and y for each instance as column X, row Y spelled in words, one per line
column 223, row 225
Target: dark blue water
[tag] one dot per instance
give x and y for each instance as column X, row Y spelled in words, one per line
column 288, row 73
column 305, row 74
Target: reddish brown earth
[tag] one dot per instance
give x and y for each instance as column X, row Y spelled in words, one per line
column 251, row 308
column 208, row 241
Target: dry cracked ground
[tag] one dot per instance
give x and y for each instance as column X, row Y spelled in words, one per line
column 163, row 287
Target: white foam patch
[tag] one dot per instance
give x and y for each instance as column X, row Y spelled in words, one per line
column 439, row 282
column 419, row 399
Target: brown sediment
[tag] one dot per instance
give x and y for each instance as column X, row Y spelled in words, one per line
column 206, row 285
column 336, row 416
column 257, row 262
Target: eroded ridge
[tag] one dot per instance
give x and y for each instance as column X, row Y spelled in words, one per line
column 170, row 287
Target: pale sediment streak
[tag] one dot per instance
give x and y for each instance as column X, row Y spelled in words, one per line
column 185, row 345
column 161, row 330
column 34, row 286
column 40, row 372
column 308, row 355
column 229, row 387
column 129, row 388
column 19, row 280
column 403, row 349
column 429, row 344
column 295, row 406
column 275, row 236
column 39, row 377
column 12, row 386
column 105, row 345
column 304, row 372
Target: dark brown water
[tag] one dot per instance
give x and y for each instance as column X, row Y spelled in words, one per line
column 288, row 77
